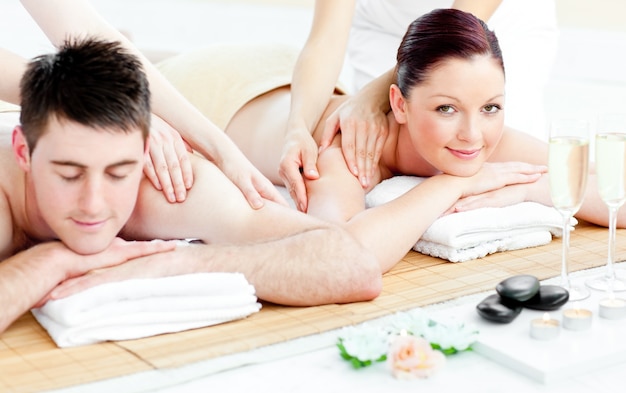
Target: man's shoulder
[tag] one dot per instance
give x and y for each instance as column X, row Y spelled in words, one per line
column 12, row 237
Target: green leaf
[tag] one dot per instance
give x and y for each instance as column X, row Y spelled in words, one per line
column 448, row 351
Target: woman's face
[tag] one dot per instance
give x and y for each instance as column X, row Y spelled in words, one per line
column 455, row 117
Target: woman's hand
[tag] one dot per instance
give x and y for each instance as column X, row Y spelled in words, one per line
column 299, row 160
column 167, row 164
column 505, row 196
column 364, row 129
column 169, row 169
column 504, row 184
column 250, row 181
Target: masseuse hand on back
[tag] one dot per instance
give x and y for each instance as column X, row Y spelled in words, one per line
column 167, row 163
column 363, row 134
column 362, row 121
column 169, row 169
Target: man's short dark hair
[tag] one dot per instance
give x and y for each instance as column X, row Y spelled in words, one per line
column 89, row 81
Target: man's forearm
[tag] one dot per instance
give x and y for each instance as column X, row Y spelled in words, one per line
column 317, row 266
column 25, row 279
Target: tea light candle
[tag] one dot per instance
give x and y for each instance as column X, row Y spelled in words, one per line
column 544, row 328
column 612, row 308
column 577, row 319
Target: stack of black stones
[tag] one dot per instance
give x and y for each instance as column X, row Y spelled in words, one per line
column 517, row 292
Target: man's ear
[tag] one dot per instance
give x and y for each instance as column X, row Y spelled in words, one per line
column 398, row 104
column 20, row 148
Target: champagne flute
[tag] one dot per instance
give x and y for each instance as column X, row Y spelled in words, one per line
column 568, row 166
column 611, row 177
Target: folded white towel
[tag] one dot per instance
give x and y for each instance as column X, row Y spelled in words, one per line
column 463, row 236
column 145, row 307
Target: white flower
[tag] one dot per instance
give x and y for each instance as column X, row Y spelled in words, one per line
column 419, row 343
column 365, row 342
column 415, row 322
column 452, row 335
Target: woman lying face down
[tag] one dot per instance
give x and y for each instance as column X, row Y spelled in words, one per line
column 446, row 123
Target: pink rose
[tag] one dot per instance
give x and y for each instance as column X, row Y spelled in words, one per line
column 412, row 357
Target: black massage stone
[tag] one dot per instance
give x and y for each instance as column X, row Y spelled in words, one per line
column 493, row 309
column 518, row 288
column 549, row 297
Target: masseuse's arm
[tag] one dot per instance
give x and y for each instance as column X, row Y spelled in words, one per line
column 12, row 67
column 314, row 79
column 62, row 18
column 483, row 9
column 27, row 277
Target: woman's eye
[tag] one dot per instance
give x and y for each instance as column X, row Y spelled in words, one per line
column 491, row 108
column 445, row 109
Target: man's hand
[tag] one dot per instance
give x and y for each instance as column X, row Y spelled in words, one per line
column 118, row 253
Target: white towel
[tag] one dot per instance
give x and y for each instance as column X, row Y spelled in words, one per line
column 145, row 307
column 463, row 236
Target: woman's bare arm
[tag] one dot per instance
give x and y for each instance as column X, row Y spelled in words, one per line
column 12, row 67
column 519, row 146
column 390, row 230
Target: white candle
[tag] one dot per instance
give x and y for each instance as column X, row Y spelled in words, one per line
column 544, row 328
column 612, row 308
column 577, row 319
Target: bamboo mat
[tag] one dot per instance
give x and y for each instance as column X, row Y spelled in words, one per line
column 30, row 362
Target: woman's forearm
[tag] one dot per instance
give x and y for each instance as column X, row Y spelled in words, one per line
column 318, row 67
column 12, row 67
column 390, row 230
column 375, row 94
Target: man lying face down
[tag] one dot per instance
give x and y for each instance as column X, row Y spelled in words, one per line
column 76, row 208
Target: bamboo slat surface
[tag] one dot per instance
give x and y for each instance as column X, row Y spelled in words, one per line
column 30, row 361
